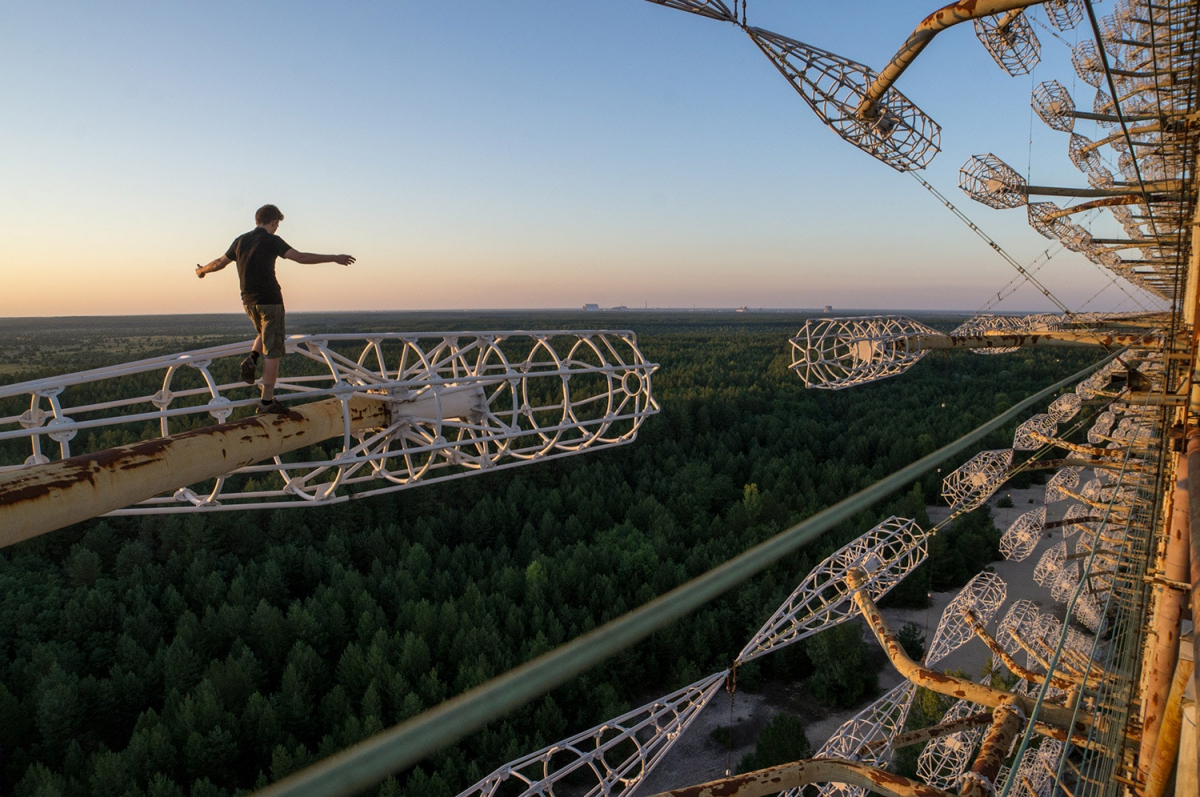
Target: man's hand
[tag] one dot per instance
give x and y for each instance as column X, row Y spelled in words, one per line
column 343, row 260
column 218, row 264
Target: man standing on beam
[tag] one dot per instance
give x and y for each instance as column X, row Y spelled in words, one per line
column 255, row 254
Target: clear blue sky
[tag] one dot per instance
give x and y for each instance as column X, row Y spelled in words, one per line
column 475, row 154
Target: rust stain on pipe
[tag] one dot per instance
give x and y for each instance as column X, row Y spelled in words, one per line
column 42, row 498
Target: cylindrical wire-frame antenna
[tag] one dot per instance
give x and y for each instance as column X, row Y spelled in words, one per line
column 1010, row 40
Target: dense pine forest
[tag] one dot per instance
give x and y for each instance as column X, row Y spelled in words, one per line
column 213, row 654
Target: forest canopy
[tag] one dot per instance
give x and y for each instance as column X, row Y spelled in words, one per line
column 212, row 654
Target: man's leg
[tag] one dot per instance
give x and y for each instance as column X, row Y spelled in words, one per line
column 270, row 374
column 249, row 367
column 273, row 341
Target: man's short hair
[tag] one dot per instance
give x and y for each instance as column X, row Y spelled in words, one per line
column 267, row 214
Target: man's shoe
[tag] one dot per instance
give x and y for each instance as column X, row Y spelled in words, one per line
column 249, row 371
column 274, row 408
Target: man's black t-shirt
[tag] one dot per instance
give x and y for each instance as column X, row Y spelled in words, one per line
column 255, row 254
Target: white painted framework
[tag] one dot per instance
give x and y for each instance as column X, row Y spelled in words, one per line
column 461, row 403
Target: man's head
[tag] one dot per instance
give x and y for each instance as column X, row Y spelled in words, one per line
column 268, row 216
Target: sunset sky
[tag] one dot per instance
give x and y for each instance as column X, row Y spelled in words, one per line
column 477, row 154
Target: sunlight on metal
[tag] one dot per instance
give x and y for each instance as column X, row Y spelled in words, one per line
column 370, row 761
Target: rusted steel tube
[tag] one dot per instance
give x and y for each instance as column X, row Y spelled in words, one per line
column 1193, row 486
column 1167, row 749
column 919, row 39
column 1151, row 186
column 1057, row 338
column 802, row 773
column 950, row 685
column 1108, row 202
column 1006, row 724
column 1164, row 652
column 42, row 498
column 1016, row 669
column 932, row 732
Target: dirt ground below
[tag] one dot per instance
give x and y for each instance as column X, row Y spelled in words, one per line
column 698, row 757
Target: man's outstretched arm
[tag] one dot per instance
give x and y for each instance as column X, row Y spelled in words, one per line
column 311, row 259
column 218, row 264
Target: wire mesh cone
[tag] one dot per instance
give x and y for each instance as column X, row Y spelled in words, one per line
column 898, row 133
column 983, row 324
column 1065, row 407
column 1064, row 479
column 945, row 758
column 983, row 595
column 987, row 179
column 1077, row 518
column 885, row 555
column 714, row 9
column 1010, row 40
column 1030, row 436
column 1018, row 542
column 969, row 486
column 1100, row 177
column 1083, row 153
column 1064, row 14
column 878, row 722
column 612, row 757
column 836, row 353
column 1053, row 104
column 1088, row 64
column 1051, row 564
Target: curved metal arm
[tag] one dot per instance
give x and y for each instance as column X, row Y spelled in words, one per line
column 932, row 25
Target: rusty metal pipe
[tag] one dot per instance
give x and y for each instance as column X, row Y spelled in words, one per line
column 932, row 25
column 932, row 732
column 961, row 688
column 1006, row 724
column 41, row 498
column 1109, row 340
column 774, row 780
column 1108, row 202
column 1193, row 487
column 1167, row 749
column 1164, row 652
column 1016, row 669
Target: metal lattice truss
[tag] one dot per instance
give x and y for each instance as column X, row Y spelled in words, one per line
column 459, row 403
column 1018, row 542
column 897, row 132
column 609, row 759
column 966, row 488
column 983, row 596
column 836, row 353
column 885, row 554
column 866, row 737
column 714, row 9
column 1010, row 40
column 1064, row 14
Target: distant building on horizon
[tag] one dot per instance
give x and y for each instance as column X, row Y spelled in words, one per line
column 829, row 308
column 591, row 307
